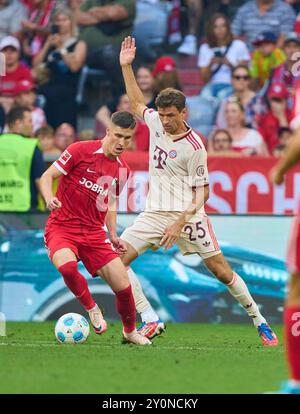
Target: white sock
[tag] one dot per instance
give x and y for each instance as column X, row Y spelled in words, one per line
column 237, row 287
column 142, row 305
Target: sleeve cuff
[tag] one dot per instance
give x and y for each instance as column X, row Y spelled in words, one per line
column 60, row 168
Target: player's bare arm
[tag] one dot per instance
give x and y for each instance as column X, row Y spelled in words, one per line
column 111, row 224
column 127, row 56
column 172, row 232
column 45, row 184
column 289, row 159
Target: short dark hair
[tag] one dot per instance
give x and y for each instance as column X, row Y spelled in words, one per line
column 16, row 114
column 171, row 97
column 123, row 119
column 44, row 130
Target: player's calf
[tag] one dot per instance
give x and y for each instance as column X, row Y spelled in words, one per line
column 77, row 284
column 126, row 309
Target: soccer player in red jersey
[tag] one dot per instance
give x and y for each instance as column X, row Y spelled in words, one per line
column 92, row 176
column 292, row 304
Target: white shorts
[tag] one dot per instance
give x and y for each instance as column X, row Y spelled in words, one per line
column 148, row 229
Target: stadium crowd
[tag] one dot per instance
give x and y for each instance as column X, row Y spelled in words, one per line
column 246, row 52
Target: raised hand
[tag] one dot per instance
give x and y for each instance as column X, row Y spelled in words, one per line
column 128, row 49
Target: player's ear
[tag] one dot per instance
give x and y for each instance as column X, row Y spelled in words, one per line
column 184, row 113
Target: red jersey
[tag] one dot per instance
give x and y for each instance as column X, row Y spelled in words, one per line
column 9, row 83
column 89, row 178
column 268, row 126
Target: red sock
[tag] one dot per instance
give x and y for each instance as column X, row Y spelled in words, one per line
column 126, row 308
column 292, row 339
column 77, row 284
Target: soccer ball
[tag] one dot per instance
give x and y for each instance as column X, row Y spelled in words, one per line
column 72, row 328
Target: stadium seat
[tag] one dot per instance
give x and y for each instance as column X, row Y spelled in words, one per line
column 87, row 72
column 202, row 113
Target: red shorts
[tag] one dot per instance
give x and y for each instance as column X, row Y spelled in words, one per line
column 293, row 251
column 92, row 247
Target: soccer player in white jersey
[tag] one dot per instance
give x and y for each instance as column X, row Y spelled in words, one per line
column 178, row 190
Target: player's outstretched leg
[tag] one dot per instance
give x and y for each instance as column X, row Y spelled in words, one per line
column 114, row 273
column 238, row 289
column 152, row 325
column 66, row 263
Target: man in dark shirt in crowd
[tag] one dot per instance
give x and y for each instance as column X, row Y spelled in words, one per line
column 104, row 24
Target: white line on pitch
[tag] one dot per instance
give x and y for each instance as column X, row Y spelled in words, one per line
column 174, row 348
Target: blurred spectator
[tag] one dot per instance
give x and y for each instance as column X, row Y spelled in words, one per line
column 16, row 71
column 45, row 135
column 140, row 141
column 87, row 135
column 27, row 166
column 284, row 135
column 104, row 24
column 258, row 16
column 165, row 74
column 297, row 24
column 145, row 81
column 63, row 55
column 278, row 115
column 284, row 73
column 247, row 141
column 64, row 136
column 295, row 4
column 220, row 144
column 2, row 119
column 11, row 15
column 240, row 80
column 37, row 27
column 219, row 55
column 265, row 57
column 26, row 96
column 189, row 45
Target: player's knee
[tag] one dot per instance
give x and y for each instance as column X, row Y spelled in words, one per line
column 68, row 269
column 220, row 269
column 126, row 261
column 223, row 276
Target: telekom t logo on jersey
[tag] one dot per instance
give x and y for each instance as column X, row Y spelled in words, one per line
column 160, row 156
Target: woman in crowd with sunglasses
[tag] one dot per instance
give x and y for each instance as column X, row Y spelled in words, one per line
column 240, row 79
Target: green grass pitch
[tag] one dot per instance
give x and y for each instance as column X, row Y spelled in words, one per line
column 188, row 358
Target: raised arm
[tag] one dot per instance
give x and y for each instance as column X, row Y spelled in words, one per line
column 127, row 55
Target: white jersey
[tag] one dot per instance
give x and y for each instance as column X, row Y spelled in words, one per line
column 177, row 164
